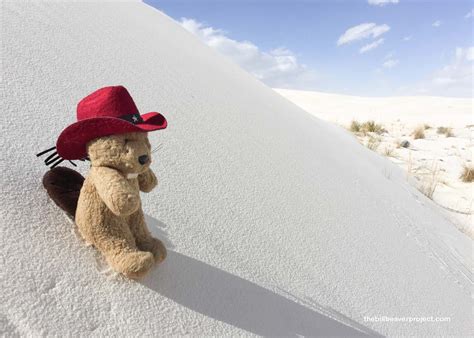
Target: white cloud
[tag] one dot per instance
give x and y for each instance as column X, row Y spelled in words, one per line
column 470, row 14
column 362, row 31
column 455, row 78
column 469, row 52
column 437, row 23
column 371, row 46
column 382, row 2
column 390, row 63
column 407, row 38
column 276, row 68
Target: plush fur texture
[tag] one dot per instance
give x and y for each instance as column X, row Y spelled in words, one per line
column 109, row 213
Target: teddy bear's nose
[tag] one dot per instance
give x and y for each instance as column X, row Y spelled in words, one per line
column 143, row 159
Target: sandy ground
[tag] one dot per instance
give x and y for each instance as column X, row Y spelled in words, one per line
column 433, row 164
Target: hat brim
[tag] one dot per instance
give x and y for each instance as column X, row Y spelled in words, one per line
column 72, row 142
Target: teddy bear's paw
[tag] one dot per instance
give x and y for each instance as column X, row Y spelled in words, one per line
column 158, row 250
column 134, row 264
column 156, row 247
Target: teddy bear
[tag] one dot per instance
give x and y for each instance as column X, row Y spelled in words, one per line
column 113, row 136
column 109, row 214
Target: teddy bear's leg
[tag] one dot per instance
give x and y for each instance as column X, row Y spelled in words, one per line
column 117, row 244
column 143, row 238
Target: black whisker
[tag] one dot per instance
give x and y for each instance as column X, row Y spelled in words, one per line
column 51, row 156
column 51, row 160
column 54, row 158
column 157, row 148
column 45, row 151
column 56, row 163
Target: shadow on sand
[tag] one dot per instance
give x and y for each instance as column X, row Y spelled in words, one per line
column 238, row 302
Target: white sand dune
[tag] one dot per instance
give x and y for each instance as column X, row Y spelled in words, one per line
column 277, row 223
column 411, row 110
column 434, row 160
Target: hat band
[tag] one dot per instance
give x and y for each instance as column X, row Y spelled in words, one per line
column 132, row 118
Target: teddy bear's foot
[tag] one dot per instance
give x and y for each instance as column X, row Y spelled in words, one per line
column 133, row 264
column 156, row 247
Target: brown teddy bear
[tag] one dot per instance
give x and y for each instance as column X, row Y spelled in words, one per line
column 113, row 136
column 109, row 213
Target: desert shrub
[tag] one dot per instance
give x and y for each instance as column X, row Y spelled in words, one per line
column 467, row 174
column 441, row 130
column 354, row 127
column 388, row 151
column 447, row 131
column 419, row 133
column 426, row 126
column 373, row 143
column 372, row 127
column 366, row 127
column 430, row 182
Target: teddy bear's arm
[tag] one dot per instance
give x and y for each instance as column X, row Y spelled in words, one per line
column 115, row 190
column 147, row 181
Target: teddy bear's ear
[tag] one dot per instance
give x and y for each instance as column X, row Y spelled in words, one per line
column 54, row 159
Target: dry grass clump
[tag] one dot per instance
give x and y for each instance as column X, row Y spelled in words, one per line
column 409, row 164
column 372, row 127
column 426, row 126
column 430, row 181
column 419, row 133
column 366, row 127
column 447, row 131
column 429, row 178
column 373, row 143
column 354, row 127
column 467, row 174
column 441, row 130
column 389, row 151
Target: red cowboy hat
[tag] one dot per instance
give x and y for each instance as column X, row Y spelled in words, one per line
column 107, row 111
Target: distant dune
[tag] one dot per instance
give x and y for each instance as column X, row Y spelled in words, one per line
column 412, row 110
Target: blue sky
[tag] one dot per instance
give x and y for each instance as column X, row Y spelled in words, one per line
column 386, row 47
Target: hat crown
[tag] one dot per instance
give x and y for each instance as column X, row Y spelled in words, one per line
column 114, row 101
